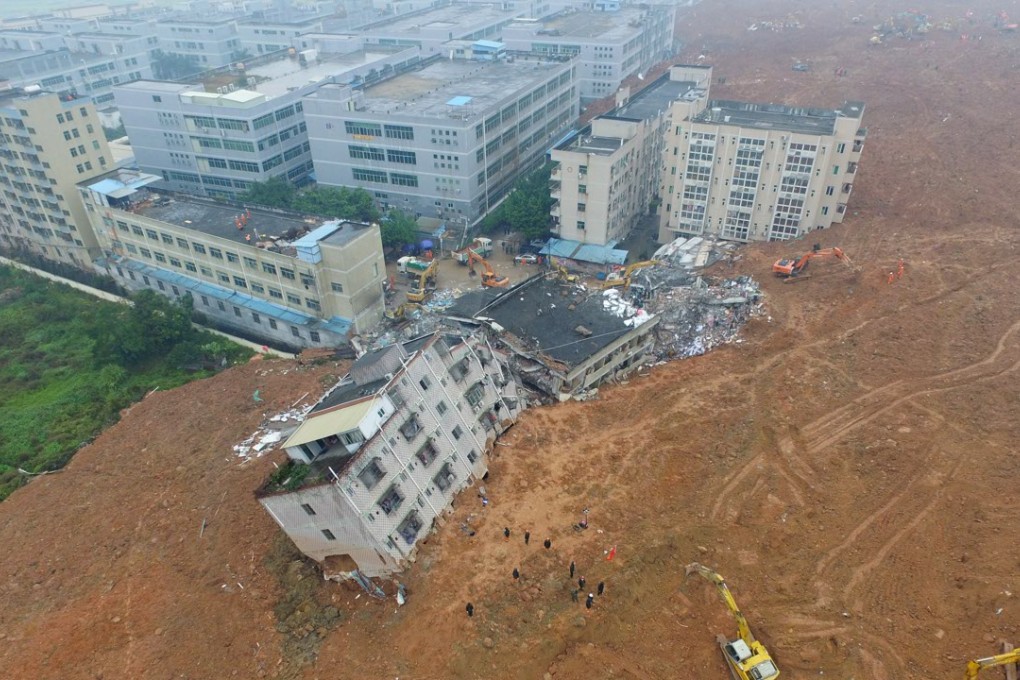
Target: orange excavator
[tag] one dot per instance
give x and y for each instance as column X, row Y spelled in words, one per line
column 489, row 278
column 792, row 268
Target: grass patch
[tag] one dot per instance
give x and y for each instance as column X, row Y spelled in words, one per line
column 65, row 373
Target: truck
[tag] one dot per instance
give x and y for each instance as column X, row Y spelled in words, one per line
column 412, row 266
column 481, row 246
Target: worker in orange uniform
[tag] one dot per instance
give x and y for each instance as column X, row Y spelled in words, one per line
column 899, row 269
column 892, row 277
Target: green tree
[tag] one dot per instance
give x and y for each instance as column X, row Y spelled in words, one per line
column 275, row 192
column 171, row 66
column 397, row 228
column 526, row 209
column 152, row 326
column 338, row 202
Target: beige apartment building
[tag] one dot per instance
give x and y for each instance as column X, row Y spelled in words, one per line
column 268, row 275
column 756, row 172
column 606, row 178
column 49, row 143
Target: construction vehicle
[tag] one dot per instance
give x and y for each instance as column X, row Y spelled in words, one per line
column 616, row 279
column 977, row 665
column 564, row 275
column 790, row 268
column 412, row 266
column 426, row 283
column 481, row 246
column 746, row 657
column 489, row 278
column 401, row 311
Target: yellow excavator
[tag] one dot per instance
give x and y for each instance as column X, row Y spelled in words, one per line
column 564, row 275
column 977, row 665
column 421, row 291
column 746, row 657
column 489, row 278
column 616, row 279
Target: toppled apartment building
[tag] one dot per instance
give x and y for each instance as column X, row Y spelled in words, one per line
column 562, row 339
column 382, row 455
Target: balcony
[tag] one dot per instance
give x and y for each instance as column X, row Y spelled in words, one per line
column 556, row 174
column 555, row 210
column 555, row 192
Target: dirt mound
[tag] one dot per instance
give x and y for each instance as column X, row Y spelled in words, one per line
column 849, row 468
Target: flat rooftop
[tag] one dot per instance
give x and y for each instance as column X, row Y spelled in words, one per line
column 653, row 100
column 770, row 117
column 602, row 27
column 215, row 219
column 284, row 75
column 539, row 314
column 459, row 19
column 474, row 86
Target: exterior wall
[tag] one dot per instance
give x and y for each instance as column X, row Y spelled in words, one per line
column 266, row 37
column 363, row 529
column 461, row 167
column 749, row 184
column 604, row 61
column 601, row 196
column 181, row 137
column 214, row 44
column 619, row 358
column 48, row 145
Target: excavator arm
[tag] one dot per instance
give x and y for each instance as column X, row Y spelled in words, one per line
column 977, row 665
column 743, row 628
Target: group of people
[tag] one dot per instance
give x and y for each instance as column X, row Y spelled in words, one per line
column 898, row 274
column 575, row 593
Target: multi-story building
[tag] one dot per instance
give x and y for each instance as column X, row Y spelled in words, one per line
column 265, row 37
column 385, row 452
column 446, row 140
column 755, row 172
column 236, row 126
column 264, row 274
column 437, row 25
column 49, row 143
column 88, row 63
column 211, row 41
column 606, row 178
column 609, row 45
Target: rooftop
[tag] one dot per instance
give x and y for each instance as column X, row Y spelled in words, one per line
column 347, row 391
column 217, row 219
column 474, row 86
column 799, row 120
column 602, row 27
column 458, row 19
column 653, row 100
column 538, row 313
column 284, row 75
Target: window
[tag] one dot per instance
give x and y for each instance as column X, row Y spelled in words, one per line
column 472, row 457
column 308, row 509
column 328, row 534
column 391, row 500
column 216, row 252
column 237, row 311
column 198, row 248
column 410, row 428
column 287, row 273
column 363, row 129
column 403, row 180
column 250, row 262
column 257, row 287
column 314, row 335
column 362, row 175
column 441, row 407
column 182, row 243
column 156, row 98
column 232, row 257
column 427, row 453
column 240, row 282
column 371, row 474
column 457, row 432
column 405, row 157
column 313, row 304
column 293, row 299
column 425, row 382
column 337, row 287
column 190, row 266
column 399, row 131
column 295, row 332
column 367, row 153
column 272, row 324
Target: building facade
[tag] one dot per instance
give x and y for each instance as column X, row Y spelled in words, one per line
column 446, row 140
column 389, row 448
column 757, row 172
column 609, row 45
column 49, row 143
column 211, row 42
column 267, row 275
column 606, row 178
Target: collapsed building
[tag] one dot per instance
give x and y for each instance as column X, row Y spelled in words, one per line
column 561, row 340
column 379, row 459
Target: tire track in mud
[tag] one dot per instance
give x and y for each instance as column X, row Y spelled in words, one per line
column 830, row 428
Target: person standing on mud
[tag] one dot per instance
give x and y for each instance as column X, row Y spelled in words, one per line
column 517, row 573
column 470, row 609
column 506, row 533
column 527, row 537
column 571, row 568
column 588, row 602
column 580, row 583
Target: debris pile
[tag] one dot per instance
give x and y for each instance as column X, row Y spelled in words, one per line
column 695, row 319
column 616, row 305
column 270, row 433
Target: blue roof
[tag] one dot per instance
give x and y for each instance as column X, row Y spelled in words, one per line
column 488, row 44
column 584, row 252
column 308, row 245
column 459, row 101
column 334, row 324
column 116, row 187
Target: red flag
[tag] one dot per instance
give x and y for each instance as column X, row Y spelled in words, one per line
column 612, row 554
